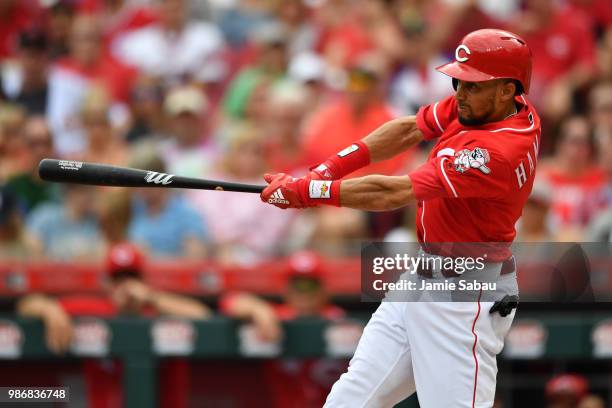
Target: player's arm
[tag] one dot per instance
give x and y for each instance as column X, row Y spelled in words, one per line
column 165, row 303
column 370, row 193
column 390, row 139
column 170, row 304
column 245, row 306
column 58, row 324
column 376, row 193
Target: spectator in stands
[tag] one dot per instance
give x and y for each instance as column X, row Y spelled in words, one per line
column 598, row 11
column 120, row 16
column 600, row 103
column 308, row 69
column 13, row 154
column 163, row 223
column 600, row 228
column 563, row 48
column 15, row 17
column 67, row 230
column 146, row 110
column 292, row 382
column 381, row 28
column 72, row 76
column 237, row 20
column 360, row 110
column 175, row 48
column 286, row 109
column 126, row 295
column 301, row 31
column 188, row 150
column 575, row 179
column 25, row 82
column 12, row 244
column 59, row 22
column 604, row 56
column 601, row 114
column 115, row 214
column 103, row 143
column 27, row 185
column 418, row 83
column 342, row 39
column 534, row 223
column 251, row 233
column 240, row 99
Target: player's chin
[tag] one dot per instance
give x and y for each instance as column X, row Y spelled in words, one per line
column 468, row 120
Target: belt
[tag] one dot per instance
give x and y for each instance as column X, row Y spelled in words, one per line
column 508, row 266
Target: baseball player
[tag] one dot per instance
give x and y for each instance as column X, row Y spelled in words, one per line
column 471, row 189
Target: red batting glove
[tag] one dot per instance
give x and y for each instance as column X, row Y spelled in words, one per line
column 342, row 163
column 285, row 191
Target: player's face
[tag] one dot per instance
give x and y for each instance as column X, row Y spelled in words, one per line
column 306, row 296
column 478, row 102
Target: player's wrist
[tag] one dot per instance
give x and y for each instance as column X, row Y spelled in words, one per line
column 341, row 164
column 320, row 192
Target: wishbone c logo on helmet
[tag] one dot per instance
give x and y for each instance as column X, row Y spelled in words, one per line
column 489, row 54
column 466, row 51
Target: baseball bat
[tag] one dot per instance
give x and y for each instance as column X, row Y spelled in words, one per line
column 68, row 171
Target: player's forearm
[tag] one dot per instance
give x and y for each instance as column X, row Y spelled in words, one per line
column 35, row 305
column 393, row 138
column 376, row 193
column 245, row 306
column 175, row 305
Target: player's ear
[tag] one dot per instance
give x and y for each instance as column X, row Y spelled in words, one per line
column 508, row 90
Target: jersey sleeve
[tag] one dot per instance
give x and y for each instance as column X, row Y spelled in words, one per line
column 426, row 184
column 433, row 119
column 474, row 172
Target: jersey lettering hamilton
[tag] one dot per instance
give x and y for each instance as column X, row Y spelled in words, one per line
column 477, row 178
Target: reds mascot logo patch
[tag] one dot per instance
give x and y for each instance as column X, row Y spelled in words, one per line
column 472, row 159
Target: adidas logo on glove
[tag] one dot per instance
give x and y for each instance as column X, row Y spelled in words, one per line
column 277, row 198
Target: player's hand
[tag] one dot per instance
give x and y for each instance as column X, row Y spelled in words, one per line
column 267, row 325
column 58, row 329
column 138, row 292
column 285, row 191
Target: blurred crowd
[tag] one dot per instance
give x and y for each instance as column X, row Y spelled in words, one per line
column 231, row 89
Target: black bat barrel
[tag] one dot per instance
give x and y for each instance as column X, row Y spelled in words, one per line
column 68, row 171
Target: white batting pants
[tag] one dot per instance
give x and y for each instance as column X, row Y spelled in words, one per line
column 445, row 350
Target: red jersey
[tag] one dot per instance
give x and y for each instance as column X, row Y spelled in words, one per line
column 575, row 198
column 477, row 178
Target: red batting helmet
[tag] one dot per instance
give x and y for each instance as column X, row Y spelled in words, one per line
column 305, row 264
column 124, row 258
column 573, row 385
column 491, row 54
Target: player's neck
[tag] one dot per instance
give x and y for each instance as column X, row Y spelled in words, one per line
column 506, row 113
column 513, row 112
